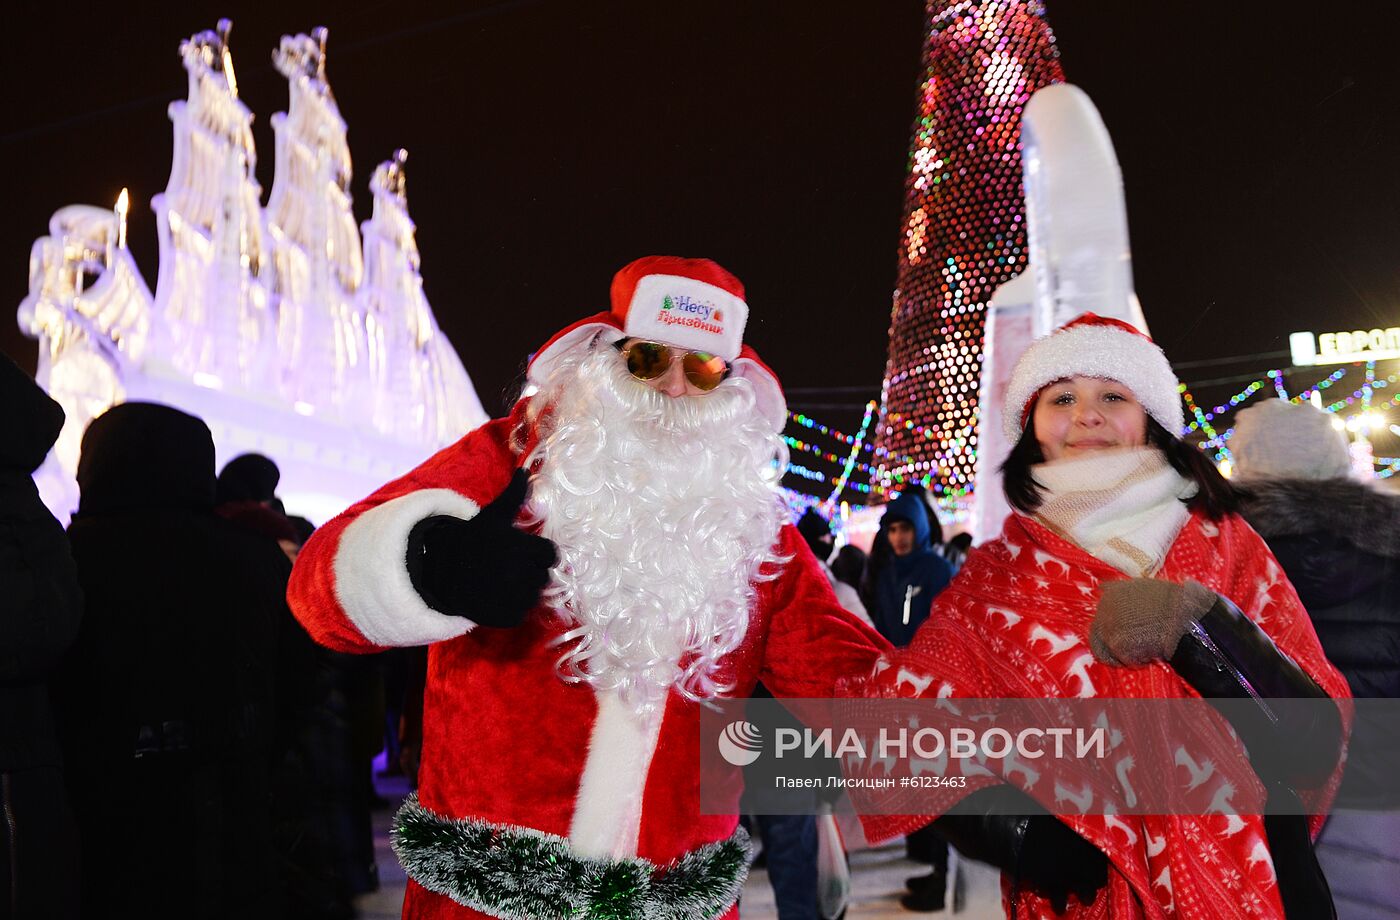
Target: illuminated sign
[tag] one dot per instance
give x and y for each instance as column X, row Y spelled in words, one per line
column 1345, row 347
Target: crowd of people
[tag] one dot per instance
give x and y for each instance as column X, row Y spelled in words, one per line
column 174, row 744
column 193, row 682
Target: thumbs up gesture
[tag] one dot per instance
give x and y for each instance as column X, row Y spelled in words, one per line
column 485, row 568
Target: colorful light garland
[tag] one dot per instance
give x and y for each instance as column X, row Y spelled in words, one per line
column 1203, row 424
column 876, row 471
column 887, row 478
column 885, row 482
column 1217, row 440
column 851, row 458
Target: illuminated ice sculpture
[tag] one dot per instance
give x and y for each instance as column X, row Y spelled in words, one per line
column 289, row 330
column 1080, row 261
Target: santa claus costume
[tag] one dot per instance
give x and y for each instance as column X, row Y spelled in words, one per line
column 560, row 762
column 1029, row 616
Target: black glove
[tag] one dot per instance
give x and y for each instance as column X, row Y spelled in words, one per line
column 1056, row 862
column 485, row 568
column 1006, row 828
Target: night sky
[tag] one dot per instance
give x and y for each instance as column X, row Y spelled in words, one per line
column 551, row 142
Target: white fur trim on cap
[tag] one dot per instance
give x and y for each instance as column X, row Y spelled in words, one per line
column 689, row 314
column 1105, row 352
column 548, row 359
column 768, row 395
column 371, row 571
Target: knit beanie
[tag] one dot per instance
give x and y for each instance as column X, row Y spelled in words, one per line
column 1286, row 440
column 817, row 532
column 248, row 477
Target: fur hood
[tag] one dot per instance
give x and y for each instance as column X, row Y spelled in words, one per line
column 1357, row 512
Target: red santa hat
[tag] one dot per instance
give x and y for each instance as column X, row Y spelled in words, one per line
column 692, row 304
column 1095, row 346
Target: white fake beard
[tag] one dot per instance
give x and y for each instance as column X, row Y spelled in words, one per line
column 663, row 510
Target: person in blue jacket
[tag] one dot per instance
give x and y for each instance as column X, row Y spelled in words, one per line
column 912, row 574
column 905, row 575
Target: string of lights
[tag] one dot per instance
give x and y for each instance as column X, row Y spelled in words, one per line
column 818, row 476
column 858, row 443
column 1217, row 440
column 807, row 421
column 798, row 469
column 960, row 444
column 851, row 458
column 1204, row 425
column 1276, row 376
column 1233, row 402
column 880, row 472
column 1321, row 385
column 887, row 478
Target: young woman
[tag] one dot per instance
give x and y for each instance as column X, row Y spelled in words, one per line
column 1124, row 547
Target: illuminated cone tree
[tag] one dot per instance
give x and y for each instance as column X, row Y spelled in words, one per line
column 964, row 232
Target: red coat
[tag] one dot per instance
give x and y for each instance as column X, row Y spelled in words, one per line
column 507, row 741
column 1014, row 625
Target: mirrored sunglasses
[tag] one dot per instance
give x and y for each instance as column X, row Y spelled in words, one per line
column 649, row 360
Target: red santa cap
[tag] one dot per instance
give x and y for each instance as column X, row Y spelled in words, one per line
column 694, row 304
column 1095, row 346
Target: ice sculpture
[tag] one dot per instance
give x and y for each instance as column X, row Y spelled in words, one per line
column 1080, row 261
column 281, row 327
column 1077, row 221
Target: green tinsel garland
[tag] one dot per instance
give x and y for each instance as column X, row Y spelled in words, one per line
column 519, row 873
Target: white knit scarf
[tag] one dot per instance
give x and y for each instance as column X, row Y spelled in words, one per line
column 1122, row 506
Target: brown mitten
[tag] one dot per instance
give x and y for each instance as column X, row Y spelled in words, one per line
column 1142, row 619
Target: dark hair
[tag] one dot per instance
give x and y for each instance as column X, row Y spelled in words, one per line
column 1214, row 495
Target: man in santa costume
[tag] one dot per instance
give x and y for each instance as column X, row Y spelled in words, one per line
column 637, row 490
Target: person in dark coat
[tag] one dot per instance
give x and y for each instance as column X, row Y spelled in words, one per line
column 849, row 565
column 956, row 550
column 816, row 531
column 912, row 575
column 903, row 590
column 1338, row 541
column 165, row 703
column 246, row 494
column 321, row 801
column 790, row 841
column 880, row 553
column 40, row 608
